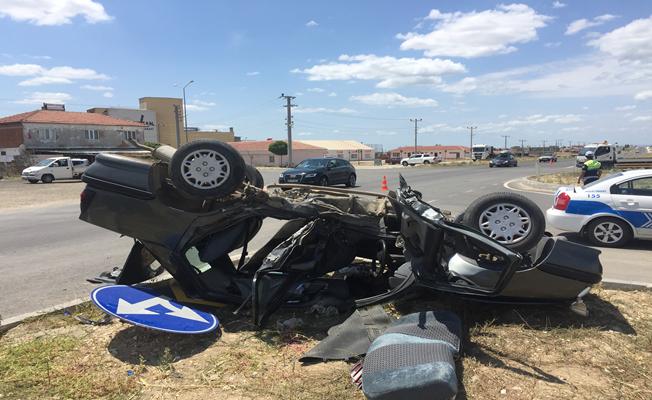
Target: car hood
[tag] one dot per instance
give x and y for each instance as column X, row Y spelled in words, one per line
column 500, row 160
column 32, row 169
column 294, row 171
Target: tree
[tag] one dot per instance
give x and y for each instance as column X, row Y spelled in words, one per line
column 279, row 148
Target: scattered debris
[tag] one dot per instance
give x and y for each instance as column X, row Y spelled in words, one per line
column 291, row 324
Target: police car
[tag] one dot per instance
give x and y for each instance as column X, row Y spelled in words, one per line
column 609, row 212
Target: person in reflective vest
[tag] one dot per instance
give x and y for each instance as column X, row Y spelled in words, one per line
column 591, row 170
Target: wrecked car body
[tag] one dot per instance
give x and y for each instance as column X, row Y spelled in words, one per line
column 339, row 247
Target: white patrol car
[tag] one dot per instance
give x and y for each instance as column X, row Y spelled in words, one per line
column 609, row 211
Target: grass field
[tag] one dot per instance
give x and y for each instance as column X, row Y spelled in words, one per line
column 508, row 353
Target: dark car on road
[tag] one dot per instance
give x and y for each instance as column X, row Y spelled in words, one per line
column 503, row 160
column 548, row 158
column 320, row 171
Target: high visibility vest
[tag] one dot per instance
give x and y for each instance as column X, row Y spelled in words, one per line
column 592, row 165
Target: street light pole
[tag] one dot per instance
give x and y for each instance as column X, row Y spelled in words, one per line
column 185, row 111
column 471, row 128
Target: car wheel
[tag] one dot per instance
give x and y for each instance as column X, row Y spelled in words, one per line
column 426, row 162
column 512, row 220
column 207, row 168
column 32, row 180
column 323, row 181
column 608, row 232
column 47, row 178
column 491, row 165
column 351, row 181
column 405, row 164
column 254, row 177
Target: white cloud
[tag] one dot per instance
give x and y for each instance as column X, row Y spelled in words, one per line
column 199, row 105
column 108, row 95
column 558, row 4
column 630, row 42
column 530, row 121
column 44, row 80
column 438, row 128
column 626, row 108
column 53, row 12
column 393, row 100
column 48, row 76
column 45, row 97
column 332, row 94
column 312, row 23
column 305, row 134
column 642, row 118
column 551, row 45
column 253, row 73
column 644, row 95
column 315, row 90
column 312, row 110
column 477, row 34
column 21, row 69
column 389, row 71
column 581, row 24
column 98, row 88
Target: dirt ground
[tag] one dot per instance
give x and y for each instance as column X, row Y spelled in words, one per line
column 16, row 193
column 509, row 352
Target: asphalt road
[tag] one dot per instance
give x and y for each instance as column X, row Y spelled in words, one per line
column 46, row 253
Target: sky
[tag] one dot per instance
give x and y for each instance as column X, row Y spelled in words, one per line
column 576, row 71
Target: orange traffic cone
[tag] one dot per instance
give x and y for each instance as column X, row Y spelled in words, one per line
column 383, row 184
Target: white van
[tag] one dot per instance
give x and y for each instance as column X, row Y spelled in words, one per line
column 54, row 168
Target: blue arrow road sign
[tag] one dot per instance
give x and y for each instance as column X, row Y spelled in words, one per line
column 147, row 309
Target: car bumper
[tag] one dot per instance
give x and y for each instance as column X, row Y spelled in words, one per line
column 301, row 179
column 29, row 177
column 563, row 221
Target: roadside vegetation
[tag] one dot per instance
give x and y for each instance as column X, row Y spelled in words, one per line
column 510, row 352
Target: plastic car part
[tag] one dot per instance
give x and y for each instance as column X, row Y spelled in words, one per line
column 254, row 177
column 207, row 168
column 509, row 218
column 414, row 359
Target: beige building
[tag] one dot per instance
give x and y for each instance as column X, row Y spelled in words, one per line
column 351, row 150
column 256, row 153
column 166, row 125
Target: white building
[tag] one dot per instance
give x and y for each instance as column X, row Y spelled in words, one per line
column 351, row 150
column 146, row 117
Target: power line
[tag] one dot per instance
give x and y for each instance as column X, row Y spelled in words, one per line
column 416, row 130
column 289, row 106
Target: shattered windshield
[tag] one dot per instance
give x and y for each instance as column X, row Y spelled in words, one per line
column 312, row 163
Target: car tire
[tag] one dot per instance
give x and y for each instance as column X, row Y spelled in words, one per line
column 426, row 162
column 47, row 178
column 207, row 168
column 351, row 181
column 32, row 180
column 323, row 181
column 608, row 232
column 491, row 165
column 513, row 220
column 405, row 164
column 254, row 177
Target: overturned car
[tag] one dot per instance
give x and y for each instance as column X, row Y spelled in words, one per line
column 192, row 207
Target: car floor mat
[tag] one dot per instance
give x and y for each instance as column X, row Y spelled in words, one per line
column 351, row 338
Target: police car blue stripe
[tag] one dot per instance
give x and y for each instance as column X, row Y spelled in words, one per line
column 637, row 218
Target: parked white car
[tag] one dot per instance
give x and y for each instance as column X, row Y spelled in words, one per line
column 54, row 168
column 609, row 211
column 415, row 159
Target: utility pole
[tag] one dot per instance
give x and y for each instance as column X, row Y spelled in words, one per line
column 505, row 137
column 522, row 147
column 471, row 128
column 544, row 146
column 416, row 121
column 289, row 123
column 176, row 120
column 185, row 111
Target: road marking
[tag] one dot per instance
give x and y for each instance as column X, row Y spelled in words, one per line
column 506, row 186
column 468, row 191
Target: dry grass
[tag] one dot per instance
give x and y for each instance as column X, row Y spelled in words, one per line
column 560, row 178
column 509, row 353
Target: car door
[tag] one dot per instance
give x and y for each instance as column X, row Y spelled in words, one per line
column 416, row 159
column 633, row 200
column 331, row 172
column 61, row 169
column 346, row 168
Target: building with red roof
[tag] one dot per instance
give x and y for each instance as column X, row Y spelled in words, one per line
column 50, row 131
column 256, row 152
column 441, row 152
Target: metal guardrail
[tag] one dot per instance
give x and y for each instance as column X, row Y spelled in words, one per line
column 639, row 165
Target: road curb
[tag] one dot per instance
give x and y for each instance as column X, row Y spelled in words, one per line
column 530, row 186
column 617, row 284
column 16, row 320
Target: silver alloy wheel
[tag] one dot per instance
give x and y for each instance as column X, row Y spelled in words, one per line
column 608, row 232
column 506, row 223
column 205, row 169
